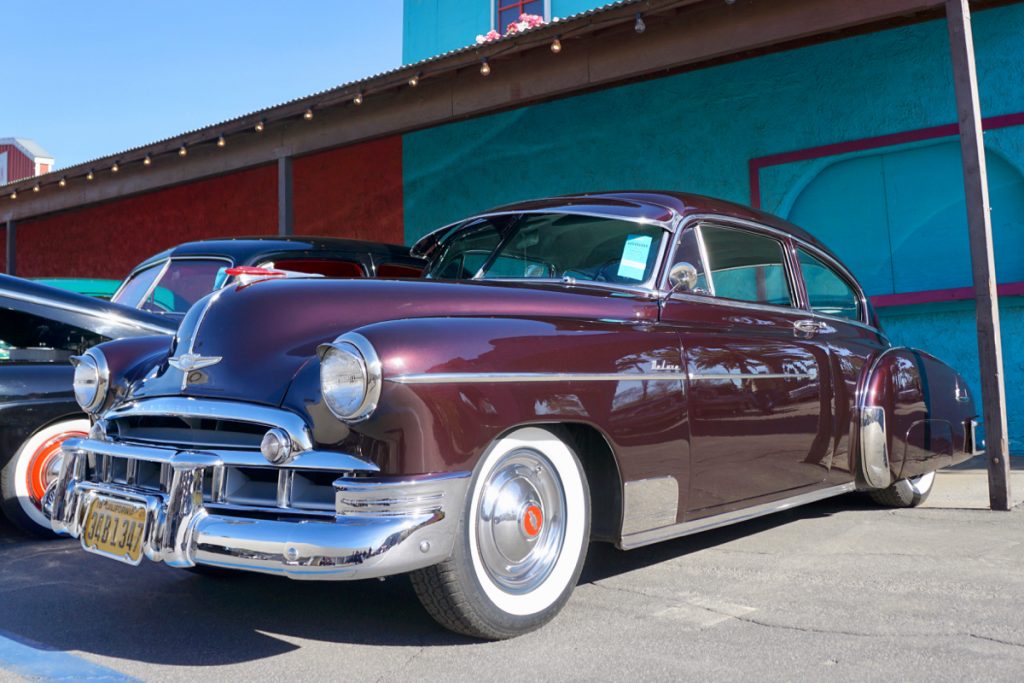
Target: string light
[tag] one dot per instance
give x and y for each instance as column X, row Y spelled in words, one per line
column 485, row 68
column 115, row 168
column 414, row 80
column 221, row 141
column 556, row 45
column 147, row 160
column 358, row 99
column 260, row 125
column 308, row 115
column 63, row 182
column 639, row 26
column 14, row 194
column 35, row 188
column 182, row 151
column 89, row 175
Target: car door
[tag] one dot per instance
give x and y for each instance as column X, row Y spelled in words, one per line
column 841, row 317
column 759, row 384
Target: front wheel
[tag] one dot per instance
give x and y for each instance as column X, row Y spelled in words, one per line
column 521, row 542
column 24, row 478
column 905, row 493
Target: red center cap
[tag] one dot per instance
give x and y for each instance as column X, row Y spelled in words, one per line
column 533, row 519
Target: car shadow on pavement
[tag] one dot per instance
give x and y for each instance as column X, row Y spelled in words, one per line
column 55, row 594
column 605, row 560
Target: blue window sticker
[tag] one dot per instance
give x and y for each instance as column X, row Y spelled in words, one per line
column 633, row 263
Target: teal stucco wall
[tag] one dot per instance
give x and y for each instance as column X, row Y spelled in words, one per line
column 896, row 214
column 431, row 27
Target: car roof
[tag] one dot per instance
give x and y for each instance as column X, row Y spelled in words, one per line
column 658, row 206
column 246, row 250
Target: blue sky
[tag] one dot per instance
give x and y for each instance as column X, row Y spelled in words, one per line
column 87, row 79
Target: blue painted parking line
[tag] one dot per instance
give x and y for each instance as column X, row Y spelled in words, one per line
column 39, row 662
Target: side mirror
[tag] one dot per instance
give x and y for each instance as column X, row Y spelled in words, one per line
column 682, row 277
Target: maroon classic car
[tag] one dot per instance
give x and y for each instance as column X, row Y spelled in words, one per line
column 626, row 367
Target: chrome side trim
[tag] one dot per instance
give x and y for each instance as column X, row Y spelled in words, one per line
column 696, row 526
column 523, row 377
column 873, row 449
column 749, row 375
column 649, row 504
column 506, row 377
column 183, row 406
column 307, row 460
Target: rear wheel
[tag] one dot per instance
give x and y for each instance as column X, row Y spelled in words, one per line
column 24, row 478
column 905, row 493
column 521, row 542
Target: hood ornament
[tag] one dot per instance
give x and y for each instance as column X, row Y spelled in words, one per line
column 189, row 363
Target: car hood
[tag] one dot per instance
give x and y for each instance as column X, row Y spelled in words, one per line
column 104, row 318
column 258, row 337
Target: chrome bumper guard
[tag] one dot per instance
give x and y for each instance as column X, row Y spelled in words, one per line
column 381, row 526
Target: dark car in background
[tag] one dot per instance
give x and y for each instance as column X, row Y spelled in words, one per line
column 171, row 281
column 42, row 327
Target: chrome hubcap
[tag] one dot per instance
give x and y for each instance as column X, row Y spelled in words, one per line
column 520, row 525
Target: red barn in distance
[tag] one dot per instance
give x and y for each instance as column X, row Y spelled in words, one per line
column 22, row 158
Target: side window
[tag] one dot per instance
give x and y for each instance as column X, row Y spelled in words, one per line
column 688, row 250
column 399, row 270
column 746, row 266
column 328, row 267
column 827, row 291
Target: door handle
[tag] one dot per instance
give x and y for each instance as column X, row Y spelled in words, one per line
column 809, row 328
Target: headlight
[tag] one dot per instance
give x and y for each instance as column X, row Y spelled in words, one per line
column 91, row 380
column 350, row 377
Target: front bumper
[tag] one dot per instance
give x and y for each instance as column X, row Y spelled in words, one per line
column 381, row 526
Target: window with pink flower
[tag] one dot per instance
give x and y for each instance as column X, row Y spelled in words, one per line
column 508, row 12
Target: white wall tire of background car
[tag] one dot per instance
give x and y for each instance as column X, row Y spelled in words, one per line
column 522, row 540
column 15, row 494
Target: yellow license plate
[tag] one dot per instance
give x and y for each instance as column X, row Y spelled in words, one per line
column 115, row 528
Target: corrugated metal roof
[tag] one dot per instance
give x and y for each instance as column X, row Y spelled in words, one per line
column 492, row 47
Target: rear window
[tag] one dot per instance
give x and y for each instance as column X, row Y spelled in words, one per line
column 315, row 266
column 29, row 338
column 171, row 287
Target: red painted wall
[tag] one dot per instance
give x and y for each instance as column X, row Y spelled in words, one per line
column 351, row 192
column 18, row 165
column 106, row 240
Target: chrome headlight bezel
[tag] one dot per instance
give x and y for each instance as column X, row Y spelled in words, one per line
column 91, row 380
column 359, row 350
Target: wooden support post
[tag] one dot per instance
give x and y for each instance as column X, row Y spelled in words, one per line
column 285, row 205
column 979, row 226
column 11, row 229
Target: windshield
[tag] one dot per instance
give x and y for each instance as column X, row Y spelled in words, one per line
column 172, row 286
column 546, row 246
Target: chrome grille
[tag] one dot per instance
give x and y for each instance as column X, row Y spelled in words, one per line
column 187, row 432
column 268, row 489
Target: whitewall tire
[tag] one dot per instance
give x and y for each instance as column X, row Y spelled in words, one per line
column 521, row 543
column 24, row 477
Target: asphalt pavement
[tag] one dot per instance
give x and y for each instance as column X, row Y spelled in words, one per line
column 841, row 590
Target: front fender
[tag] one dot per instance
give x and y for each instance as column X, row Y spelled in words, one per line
column 452, row 385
